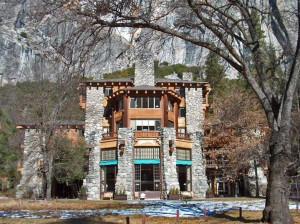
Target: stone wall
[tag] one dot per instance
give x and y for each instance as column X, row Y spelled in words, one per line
column 31, row 182
column 199, row 179
column 125, row 162
column 168, row 161
column 93, row 135
column 194, row 110
column 144, row 70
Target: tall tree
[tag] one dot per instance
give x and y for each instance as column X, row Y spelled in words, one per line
column 8, row 154
column 229, row 29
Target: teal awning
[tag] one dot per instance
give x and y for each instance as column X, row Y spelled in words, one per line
column 183, row 162
column 146, row 161
column 108, row 162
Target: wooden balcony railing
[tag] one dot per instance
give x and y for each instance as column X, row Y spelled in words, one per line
column 183, row 135
column 211, row 163
column 109, row 135
column 146, row 134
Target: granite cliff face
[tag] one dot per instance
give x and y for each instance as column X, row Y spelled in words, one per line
column 28, row 52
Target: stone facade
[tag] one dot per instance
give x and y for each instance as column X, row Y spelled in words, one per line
column 168, row 161
column 194, row 110
column 125, row 162
column 199, row 180
column 93, row 134
column 31, row 181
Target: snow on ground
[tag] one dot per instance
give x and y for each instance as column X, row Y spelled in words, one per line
column 163, row 208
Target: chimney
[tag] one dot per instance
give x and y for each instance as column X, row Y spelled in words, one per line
column 144, row 70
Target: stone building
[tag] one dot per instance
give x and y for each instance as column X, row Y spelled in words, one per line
column 145, row 134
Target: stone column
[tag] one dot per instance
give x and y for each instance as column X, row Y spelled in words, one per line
column 31, row 183
column 199, row 179
column 194, row 110
column 93, row 135
column 168, row 161
column 124, row 179
column 144, row 70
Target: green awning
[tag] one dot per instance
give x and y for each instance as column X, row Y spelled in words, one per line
column 184, row 162
column 146, row 161
column 108, row 162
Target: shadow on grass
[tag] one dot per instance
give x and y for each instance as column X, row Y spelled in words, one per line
column 86, row 220
column 232, row 217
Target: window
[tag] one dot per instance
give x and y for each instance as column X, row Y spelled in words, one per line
column 146, row 153
column 181, row 112
column 144, row 102
column 119, row 105
column 107, row 91
column 181, row 130
column 183, row 154
column 170, row 106
column 145, row 125
column 180, row 91
column 108, row 154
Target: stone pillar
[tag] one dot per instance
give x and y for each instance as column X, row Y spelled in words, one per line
column 168, row 161
column 144, row 70
column 124, row 180
column 31, row 183
column 187, row 76
column 93, row 135
column 257, row 179
column 194, row 110
column 199, row 179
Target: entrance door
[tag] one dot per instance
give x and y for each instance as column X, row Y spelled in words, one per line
column 184, row 177
column 108, row 178
column 147, row 177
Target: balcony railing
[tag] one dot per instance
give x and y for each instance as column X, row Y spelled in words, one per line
column 183, row 135
column 146, row 134
column 211, row 163
column 109, row 135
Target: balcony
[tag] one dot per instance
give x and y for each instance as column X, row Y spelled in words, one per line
column 211, row 163
column 183, row 136
column 110, row 135
column 146, row 134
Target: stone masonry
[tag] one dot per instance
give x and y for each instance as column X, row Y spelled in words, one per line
column 93, row 135
column 199, row 180
column 31, row 181
column 125, row 162
column 144, row 71
column 194, row 111
column 168, row 161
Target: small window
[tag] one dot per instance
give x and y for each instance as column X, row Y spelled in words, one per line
column 183, row 154
column 181, row 112
column 108, row 154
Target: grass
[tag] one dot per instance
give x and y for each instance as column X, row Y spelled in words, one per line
column 224, row 217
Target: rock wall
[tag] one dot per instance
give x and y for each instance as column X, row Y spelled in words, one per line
column 125, row 162
column 199, row 179
column 168, row 161
column 31, row 182
column 93, row 135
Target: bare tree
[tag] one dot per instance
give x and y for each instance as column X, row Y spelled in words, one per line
column 231, row 29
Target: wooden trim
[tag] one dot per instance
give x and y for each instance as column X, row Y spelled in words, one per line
column 165, row 110
column 176, row 116
column 125, row 109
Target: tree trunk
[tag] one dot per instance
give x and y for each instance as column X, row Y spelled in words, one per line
column 277, row 201
column 47, row 174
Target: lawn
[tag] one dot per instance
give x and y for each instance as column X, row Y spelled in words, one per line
column 13, row 204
